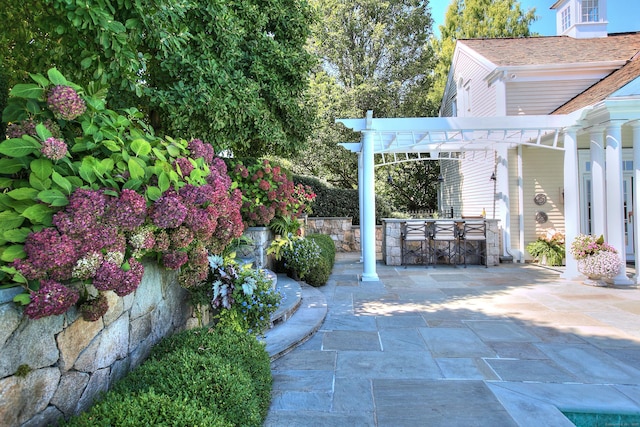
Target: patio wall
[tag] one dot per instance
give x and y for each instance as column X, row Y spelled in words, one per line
column 344, row 234
column 72, row 360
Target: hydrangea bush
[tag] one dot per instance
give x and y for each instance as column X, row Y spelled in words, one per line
column 87, row 192
column 267, row 192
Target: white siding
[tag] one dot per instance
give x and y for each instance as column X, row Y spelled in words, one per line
column 468, row 187
column 542, row 97
column 543, row 174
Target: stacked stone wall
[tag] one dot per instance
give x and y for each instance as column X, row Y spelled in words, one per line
column 344, row 234
column 64, row 362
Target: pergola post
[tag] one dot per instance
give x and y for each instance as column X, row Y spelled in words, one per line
column 368, row 207
column 598, row 197
column 635, row 126
column 571, row 199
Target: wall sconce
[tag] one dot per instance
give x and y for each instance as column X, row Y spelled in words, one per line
column 493, row 176
column 440, row 178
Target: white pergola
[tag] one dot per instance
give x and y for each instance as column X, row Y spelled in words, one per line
column 444, row 137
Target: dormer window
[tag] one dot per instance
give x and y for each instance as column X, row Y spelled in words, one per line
column 590, row 11
column 566, row 18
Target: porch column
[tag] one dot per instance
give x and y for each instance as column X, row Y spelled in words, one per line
column 360, row 204
column 504, row 213
column 635, row 126
column 571, row 199
column 368, row 225
column 598, row 197
column 614, row 207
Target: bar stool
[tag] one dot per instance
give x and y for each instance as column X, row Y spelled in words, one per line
column 444, row 234
column 474, row 238
column 413, row 232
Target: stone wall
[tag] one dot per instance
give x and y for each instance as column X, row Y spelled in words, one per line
column 345, row 235
column 72, row 360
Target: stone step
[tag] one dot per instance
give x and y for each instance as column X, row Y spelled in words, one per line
column 292, row 297
column 296, row 324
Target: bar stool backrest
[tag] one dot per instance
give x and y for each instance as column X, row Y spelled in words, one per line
column 445, row 230
column 414, row 231
column 475, row 230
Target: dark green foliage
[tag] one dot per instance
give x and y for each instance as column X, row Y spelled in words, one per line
column 4, row 94
column 327, row 246
column 201, row 377
column 319, row 273
column 339, row 202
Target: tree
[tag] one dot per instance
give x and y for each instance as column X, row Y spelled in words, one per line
column 467, row 19
column 374, row 56
column 231, row 73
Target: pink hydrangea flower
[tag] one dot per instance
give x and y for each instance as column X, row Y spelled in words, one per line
column 52, row 298
column 54, row 148
column 65, row 103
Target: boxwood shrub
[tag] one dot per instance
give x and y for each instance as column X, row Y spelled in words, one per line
column 320, row 271
column 200, row 377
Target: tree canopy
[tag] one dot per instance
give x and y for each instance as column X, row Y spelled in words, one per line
column 233, row 73
column 373, row 56
column 467, row 19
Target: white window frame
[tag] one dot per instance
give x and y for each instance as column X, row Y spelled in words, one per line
column 566, row 18
column 590, row 11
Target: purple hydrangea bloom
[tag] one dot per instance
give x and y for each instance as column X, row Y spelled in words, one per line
column 162, row 241
column 184, row 166
column 54, row 148
column 28, row 127
column 127, row 211
column 65, row 103
column 108, row 276
column 181, row 237
column 197, row 148
column 131, row 279
column 174, row 259
column 52, row 298
column 168, row 211
column 48, row 249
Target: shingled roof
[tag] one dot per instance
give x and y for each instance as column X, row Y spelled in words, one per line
column 605, row 87
column 506, row 52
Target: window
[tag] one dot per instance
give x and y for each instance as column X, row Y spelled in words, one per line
column 590, row 11
column 566, row 18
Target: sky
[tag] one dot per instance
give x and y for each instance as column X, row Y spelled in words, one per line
column 623, row 15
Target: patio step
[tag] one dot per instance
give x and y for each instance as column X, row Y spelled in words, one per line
column 297, row 319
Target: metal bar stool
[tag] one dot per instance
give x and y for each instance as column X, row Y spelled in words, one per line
column 445, row 233
column 474, row 238
column 413, row 233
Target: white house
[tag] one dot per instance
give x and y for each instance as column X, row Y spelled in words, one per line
column 556, row 121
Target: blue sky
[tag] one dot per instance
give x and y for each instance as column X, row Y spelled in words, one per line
column 623, row 15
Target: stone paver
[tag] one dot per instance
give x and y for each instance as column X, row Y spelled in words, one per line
column 512, row 345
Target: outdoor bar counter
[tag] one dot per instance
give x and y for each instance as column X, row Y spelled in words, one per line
column 398, row 249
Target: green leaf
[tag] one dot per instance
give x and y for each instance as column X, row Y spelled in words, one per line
column 111, row 145
column 87, row 169
column 13, row 252
column 173, row 150
column 22, row 299
column 38, row 214
column 159, row 154
column 163, row 182
column 17, row 235
column 17, row 147
column 62, row 182
column 42, row 168
column 10, row 166
column 56, row 77
column 140, row 147
column 6, row 182
column 25, row 193
column 39, row 184
column 86, row 63
column 10, row 220
column 153, row 193
column 33, row 106
column 135, row 170
column 53, row 197
column 42, row 131
column 27, row 91
column 40, row 79
column 132, row 184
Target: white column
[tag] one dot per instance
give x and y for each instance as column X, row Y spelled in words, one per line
column 598, row 197
column 571, row 200
column 636, row 195
column 614, row 206
column 368, row 208
column 361, row 204
column 504, row 213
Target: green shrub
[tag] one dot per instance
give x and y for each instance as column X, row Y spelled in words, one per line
column 200, row 377
column 327, row 247
column 301, row 256
column 319, row 273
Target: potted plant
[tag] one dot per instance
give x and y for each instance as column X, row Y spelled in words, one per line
column 597, row 260
column 548, row 249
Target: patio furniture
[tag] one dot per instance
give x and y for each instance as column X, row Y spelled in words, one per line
column 474, row 241
column 444, row 242
column 414, row 241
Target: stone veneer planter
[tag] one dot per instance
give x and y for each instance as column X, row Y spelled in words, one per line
column 344, row 234
column 72, row 360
